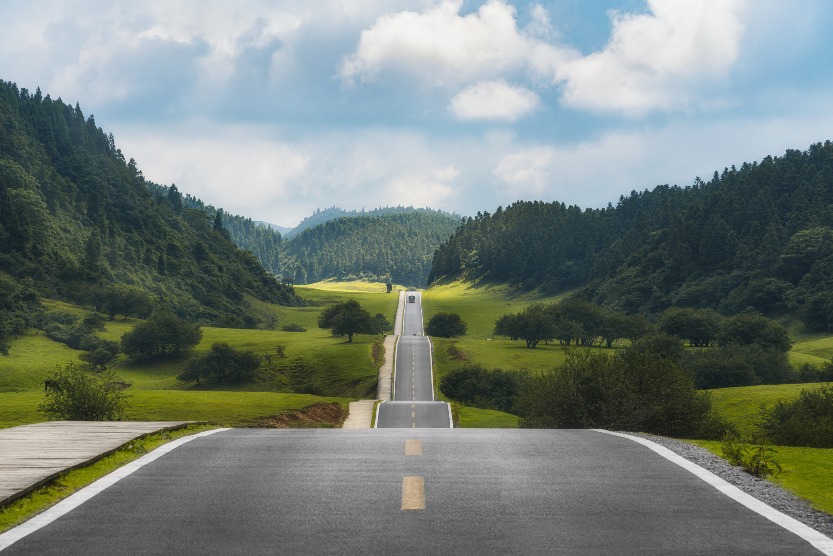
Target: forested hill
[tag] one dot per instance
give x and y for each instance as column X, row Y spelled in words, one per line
column 398, row 244
column 758, row 237
column 322, row 216
column 77, row 219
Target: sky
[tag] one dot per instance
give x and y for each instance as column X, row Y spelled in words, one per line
column 271, row 109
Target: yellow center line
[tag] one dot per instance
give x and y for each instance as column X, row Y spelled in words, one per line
column 413, row 493
column 413, row 447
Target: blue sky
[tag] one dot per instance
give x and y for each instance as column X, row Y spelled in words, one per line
column 271, row 109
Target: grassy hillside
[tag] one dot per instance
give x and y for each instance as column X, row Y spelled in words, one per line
column 315, row 363
column 480, row 306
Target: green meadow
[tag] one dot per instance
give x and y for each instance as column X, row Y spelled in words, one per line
column 320, row 366
column 480, row 306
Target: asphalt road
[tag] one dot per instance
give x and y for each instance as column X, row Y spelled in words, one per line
column 413, row 380
column 428, row 491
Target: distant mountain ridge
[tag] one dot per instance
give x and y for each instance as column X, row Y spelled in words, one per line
column 387, row 243
column 392, row 244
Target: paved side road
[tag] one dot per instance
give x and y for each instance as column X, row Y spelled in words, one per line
column 426, row 491
column 31, row 455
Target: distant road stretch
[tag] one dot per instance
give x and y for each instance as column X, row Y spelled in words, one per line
column 413, row 404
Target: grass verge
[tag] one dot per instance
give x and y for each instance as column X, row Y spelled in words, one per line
column 72, row 481
column 475, row 418
column 742, row 405
column 805, row 472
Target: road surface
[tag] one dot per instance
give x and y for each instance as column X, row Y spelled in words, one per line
column 427, row 491
column 413, row 404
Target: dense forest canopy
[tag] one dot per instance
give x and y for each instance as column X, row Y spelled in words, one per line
column 756, row 237
column 77, row 218
column 396, row 245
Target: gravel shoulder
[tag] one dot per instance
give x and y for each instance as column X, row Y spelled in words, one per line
column 763, row 490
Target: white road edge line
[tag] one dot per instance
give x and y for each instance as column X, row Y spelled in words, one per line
column 393, row 379
column 378, row 410
column 819, row 541
column 68, row 504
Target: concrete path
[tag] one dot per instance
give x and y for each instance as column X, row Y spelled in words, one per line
column 31, row 455
column 360, row 416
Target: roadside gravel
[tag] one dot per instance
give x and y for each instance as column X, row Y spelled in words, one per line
column 761, row 489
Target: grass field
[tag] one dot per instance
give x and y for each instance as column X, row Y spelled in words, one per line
column 480, row 306
column 806, row 472
column 315, row 363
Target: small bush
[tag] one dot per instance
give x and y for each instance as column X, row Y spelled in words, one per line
column 756, row 460
column 480, row 387
column 446, row 325
column 74, row 394
column 805, row 421
column 293, row 328
column 222, row 364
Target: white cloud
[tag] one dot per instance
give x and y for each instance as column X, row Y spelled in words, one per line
column 527, row 171
column 494, row 100
column 657, row 60
column 439, row 45
column 236, row 168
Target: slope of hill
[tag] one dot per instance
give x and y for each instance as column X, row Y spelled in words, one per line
column 396, row 245
column 77, row 217
column 757, row 237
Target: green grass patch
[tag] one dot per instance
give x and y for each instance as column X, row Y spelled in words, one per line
column 70, row 482
column 475, row 418
column 234, row 409
column 805, row 472
column 480, row 305
column 815, row 349
column 742, row 405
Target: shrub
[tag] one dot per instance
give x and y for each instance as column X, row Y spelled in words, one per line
column 293, row 328
column 480, row 387
column 629, row 390
column 164, row 333
column 756, row 460
column 446, row 325
column 805, row 421
column 222, row 364
column 76, row 395
column 738, row 366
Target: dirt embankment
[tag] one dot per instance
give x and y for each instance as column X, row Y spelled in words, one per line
column 322, row 414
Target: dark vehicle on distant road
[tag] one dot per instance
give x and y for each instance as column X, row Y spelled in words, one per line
column 411, row 299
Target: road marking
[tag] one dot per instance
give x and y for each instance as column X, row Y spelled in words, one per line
column 413, row 425
column 413, row 414
column 413, row 447
column 68, row 504
column 413, row 493
column 819, row 541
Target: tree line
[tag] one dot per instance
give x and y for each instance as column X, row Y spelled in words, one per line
column 744, row 349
